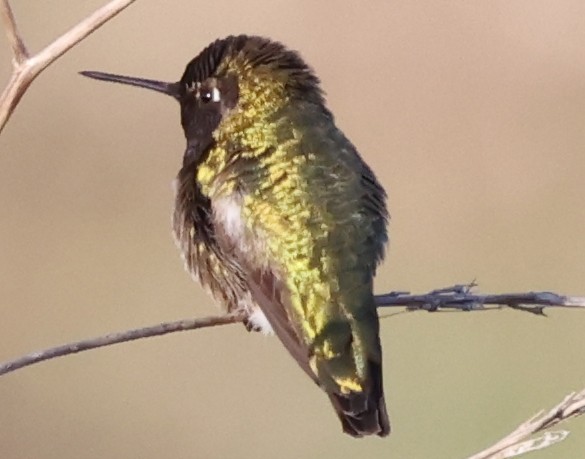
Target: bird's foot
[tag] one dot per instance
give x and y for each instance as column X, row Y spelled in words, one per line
column 251, row 326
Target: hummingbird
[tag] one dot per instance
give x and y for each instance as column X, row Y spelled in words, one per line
column 278, row 216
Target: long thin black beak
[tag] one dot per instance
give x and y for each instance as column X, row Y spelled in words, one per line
column 170, row 89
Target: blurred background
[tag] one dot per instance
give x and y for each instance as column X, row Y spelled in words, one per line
column 472, row 113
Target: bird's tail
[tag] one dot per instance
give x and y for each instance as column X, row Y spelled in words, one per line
column 364, row 413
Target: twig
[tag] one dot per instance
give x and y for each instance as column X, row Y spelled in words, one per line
column 19, row 52
column 26, row 69
column 121, row 337
column 516, row 444
column 458, row 297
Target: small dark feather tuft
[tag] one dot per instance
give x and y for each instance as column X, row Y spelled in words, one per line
column 205, row 63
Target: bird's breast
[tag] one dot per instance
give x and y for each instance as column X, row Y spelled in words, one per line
column 196, row 236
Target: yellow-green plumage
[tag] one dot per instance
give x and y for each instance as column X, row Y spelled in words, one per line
column 276, row 212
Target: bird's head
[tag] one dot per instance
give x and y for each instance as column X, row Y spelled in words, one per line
column 234, row 83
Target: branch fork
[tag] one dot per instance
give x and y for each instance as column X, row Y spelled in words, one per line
column 25, row 68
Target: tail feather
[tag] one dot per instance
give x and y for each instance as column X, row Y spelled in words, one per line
column 365, row 413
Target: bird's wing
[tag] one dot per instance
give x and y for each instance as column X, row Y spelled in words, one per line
column 270, row 295
column 267, row 290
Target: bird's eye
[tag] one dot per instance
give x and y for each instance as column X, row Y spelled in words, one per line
column 205, row 96
column 210, row 95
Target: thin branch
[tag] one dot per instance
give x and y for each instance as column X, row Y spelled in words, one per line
column 516, row 444
column 115, row 338
column 19, row 52
column 26, row 69
column 458, row 297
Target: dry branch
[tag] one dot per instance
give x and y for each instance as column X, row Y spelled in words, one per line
column 458, row 297
column 19, row 52
column 461, row 297
column 26, row 68
column 515, row 443
column 115, row 338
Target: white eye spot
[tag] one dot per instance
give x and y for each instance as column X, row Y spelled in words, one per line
column 206, row 95
column 215, row 95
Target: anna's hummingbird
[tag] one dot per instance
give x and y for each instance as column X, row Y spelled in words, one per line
column 278, row 216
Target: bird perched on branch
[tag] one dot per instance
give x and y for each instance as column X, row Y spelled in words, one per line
column 278, row 216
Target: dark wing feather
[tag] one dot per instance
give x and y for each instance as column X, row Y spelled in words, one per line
column 267, row 292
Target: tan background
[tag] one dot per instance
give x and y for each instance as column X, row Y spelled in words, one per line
column 471, row 112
